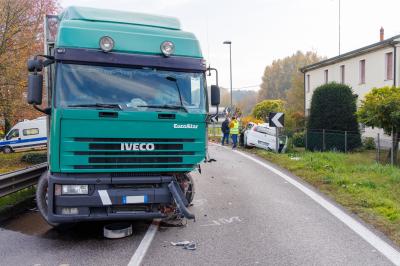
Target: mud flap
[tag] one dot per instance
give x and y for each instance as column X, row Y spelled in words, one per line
column 180, row 200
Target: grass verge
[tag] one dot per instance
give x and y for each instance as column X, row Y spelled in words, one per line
column 15, row 198
column 355, row 180
column 11, row 162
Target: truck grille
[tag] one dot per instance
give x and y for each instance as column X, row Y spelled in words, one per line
column 106, row 153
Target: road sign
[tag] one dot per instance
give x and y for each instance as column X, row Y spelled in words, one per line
column 214, row 119
column 276, row 119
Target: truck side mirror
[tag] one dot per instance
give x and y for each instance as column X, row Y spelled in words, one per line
column 215, row 95
column 35, row 65
column 35, row 88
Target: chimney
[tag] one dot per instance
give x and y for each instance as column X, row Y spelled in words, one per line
column 382, row 34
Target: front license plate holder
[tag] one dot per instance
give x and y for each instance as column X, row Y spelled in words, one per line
column 134, row 199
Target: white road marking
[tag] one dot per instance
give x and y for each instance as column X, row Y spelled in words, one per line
column 387, row 250
column 223, row 221
column 144, row 245
column 105, row 199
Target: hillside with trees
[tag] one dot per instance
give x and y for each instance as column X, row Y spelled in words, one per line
column 243, row 99
column 283, row 80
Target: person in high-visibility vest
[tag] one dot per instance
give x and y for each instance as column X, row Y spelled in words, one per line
column 234, row 130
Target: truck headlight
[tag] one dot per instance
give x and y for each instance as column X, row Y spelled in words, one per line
column 167, row 48
column 75, row 189
column 106, row 44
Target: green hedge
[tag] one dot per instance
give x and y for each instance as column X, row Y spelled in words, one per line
column 34, row 158
column 369, row 143
column 298, row 139
column 333, row 108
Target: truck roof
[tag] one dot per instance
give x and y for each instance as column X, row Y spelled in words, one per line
column 82, row 27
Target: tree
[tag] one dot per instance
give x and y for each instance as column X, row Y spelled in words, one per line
column 333, row 109
column 262, row 109
column 21, row 36
column 283, row 80
column 381, row 108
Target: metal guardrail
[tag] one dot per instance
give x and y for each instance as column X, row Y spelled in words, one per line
column 20, row 179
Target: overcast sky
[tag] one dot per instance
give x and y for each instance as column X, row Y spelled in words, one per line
column 264, row 30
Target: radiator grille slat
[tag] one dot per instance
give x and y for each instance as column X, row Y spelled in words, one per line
column 111, row 146
column 133, row 166
column 117, row 160
column 131, row 140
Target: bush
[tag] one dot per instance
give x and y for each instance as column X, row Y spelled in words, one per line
column 34, row 158
column 369, row 143
column 333, row 108
column 262, row 109
column 298, row 139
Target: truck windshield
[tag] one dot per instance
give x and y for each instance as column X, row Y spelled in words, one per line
column 89, row 86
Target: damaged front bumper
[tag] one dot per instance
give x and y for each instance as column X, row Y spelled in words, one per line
column 114, row 198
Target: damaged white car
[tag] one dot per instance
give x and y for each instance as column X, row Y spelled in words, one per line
column 263, row 136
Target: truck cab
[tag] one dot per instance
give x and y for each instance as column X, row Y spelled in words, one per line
column 128, row 109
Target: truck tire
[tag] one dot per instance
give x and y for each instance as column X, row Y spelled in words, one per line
column 7, row 150
column 191, row 190
column 187, row 185
column 42, row 196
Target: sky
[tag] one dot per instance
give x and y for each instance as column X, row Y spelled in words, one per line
column 265, row 30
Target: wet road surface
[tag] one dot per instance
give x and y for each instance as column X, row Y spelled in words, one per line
column 245, row 215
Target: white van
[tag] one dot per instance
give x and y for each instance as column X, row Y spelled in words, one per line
column 26, row 135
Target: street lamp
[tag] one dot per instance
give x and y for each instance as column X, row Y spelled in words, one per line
column 230, row 64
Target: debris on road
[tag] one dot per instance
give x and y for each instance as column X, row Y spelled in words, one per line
column 117, row 230
column 173, row 223
column 181, row 243
column 191, row 246
column 188, row 245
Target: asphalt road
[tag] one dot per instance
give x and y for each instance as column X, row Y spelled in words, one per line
column 245, row 215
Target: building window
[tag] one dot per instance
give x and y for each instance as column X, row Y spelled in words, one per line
column 326, row 76
column 342, row 74
column 308, row 83
column 362, row 71
column 389, row 66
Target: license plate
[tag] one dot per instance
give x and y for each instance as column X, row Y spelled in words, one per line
column 134, row 199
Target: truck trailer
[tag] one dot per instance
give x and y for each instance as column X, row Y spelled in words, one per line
column 127, row 107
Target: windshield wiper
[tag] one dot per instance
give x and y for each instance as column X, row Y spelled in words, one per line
column 166, row 106
column 99, row 105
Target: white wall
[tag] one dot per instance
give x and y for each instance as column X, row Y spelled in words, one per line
column 374, row 77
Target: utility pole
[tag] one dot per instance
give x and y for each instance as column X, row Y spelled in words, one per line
column 230, row 66
column 339, row 27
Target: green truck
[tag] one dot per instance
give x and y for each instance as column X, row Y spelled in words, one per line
column 127, row 110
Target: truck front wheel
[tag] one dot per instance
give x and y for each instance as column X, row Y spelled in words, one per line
column 42, row 196
column 186, row 183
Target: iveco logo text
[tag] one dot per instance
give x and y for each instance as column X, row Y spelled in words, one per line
column 137, row 146
column 186, row 126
